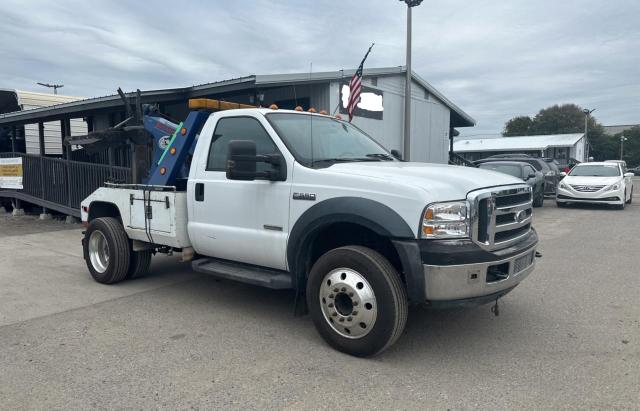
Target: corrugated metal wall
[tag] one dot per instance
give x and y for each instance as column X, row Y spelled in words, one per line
column 52, row 137
column 429, row 119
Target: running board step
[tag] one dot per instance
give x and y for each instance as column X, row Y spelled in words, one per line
column 263, row 277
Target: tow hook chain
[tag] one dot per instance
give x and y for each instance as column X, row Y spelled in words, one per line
column 495, row 308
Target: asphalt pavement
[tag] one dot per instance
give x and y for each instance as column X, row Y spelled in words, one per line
column 568, row 337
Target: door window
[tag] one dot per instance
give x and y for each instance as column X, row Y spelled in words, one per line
column 238, row 128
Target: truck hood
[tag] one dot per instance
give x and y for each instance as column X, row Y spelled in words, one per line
column 442, row 181
column 591, row 181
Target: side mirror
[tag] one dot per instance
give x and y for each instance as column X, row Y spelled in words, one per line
column 396, row 154
column 530, row 176
column 629, row 174
column 563, row 174
column 242, row 161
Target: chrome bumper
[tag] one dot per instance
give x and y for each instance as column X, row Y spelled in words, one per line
column 459, row 282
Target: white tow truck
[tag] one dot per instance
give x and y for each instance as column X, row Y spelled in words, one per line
column 297, row 200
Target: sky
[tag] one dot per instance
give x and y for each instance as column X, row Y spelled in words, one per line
column 494, row 59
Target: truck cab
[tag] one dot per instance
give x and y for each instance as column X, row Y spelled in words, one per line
column 291, row 199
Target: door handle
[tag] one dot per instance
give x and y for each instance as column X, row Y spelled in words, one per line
column 199, row 191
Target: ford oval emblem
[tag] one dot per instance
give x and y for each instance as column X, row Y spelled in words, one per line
column 163, row 142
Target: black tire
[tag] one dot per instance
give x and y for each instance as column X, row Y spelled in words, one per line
column 390, row 300
column 116, row 265
column 630, row 197
column 538, row 200
column 624, row 202
column 139, row 262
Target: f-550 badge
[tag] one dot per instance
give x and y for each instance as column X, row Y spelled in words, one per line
column 304, row 196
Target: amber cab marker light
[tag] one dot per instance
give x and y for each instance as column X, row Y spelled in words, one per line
column 312, row 110
column 323, row 112
column 172, row 150
column 273, row 107
column 183, row 131
column 298, row 108
column 338, row 117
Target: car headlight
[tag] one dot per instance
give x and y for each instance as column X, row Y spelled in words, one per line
column 613, row 187
column 564, row 186
column 446, row 220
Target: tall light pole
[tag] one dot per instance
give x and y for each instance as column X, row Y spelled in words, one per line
column 407, row 87
column 587, row 113
column 622, row 140
column 55, row 87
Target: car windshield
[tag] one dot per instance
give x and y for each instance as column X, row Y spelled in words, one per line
column 320, row 141
column 594, row 170
column 512, row 170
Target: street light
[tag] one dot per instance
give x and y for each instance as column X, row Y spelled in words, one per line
column 622, row 140
column 587, row 113
column 55, row 87
column 407, row 88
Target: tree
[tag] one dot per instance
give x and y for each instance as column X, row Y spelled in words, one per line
column 518, row 126
column 564, row 119
column 631, row 146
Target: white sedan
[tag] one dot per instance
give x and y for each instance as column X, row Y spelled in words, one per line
column 596, row 183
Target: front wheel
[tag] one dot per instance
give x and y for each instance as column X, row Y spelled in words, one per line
column 538, row 201
column 357, row 300
column 630, row 197
column 106, row 250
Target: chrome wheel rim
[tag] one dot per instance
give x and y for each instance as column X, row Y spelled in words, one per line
column 98, row 251
column 348, row 303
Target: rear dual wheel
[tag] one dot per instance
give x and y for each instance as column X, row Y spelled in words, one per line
column 108, row 253
column 357, row 300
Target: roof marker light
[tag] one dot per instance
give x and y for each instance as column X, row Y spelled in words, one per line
column 323, row 112
column 273, row 107
column 312, row 110
column 298, row 108
column 183, row 131
column 338, row 117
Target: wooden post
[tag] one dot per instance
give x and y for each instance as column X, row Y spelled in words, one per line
column 41, row 138
column 14, row 130
column 63, row 134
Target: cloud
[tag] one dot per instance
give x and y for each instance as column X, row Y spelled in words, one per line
column 494, row 59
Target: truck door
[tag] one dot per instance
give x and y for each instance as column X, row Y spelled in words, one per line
column 235, row 220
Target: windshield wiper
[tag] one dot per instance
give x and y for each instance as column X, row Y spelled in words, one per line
column 343, row 160
column 382, row 156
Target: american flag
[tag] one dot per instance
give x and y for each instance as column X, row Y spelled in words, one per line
column 355, row 86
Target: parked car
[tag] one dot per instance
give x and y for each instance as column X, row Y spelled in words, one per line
column 522, row 170
column 597, row 183
column 635, row 170
column 622, row 163
column 551, row 177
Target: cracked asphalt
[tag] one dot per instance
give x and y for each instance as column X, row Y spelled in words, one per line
column 568, row 337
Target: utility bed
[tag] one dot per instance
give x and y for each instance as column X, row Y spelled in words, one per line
column 151, row 214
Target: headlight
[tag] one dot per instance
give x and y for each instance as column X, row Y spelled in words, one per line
column 613, row 187
column 564, row 186
column 446, row 220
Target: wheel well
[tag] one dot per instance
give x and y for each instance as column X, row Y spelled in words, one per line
column 341, row 234
column 99, row 209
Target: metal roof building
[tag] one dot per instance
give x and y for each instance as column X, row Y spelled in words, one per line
column 562, row 147
column 433, row 119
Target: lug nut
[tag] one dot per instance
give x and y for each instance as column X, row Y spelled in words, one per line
column 350, row 294
column 344, row 289
column 355, row 303
column 354, row 313
column 341, row 320
column 349, row 319
column 330, row 295
column 335, row 290
column 330, row 305
column 334, row 314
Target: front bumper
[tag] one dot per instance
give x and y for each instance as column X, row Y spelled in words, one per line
column 460, row 273
column 613, row 197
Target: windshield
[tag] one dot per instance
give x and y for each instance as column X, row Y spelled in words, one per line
column 322, row 141
column 510, row 169
column 595, row 171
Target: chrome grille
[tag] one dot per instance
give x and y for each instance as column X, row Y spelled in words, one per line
column 586, row 189
column 500, row 216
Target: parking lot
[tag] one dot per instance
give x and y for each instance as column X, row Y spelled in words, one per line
column 568, row 337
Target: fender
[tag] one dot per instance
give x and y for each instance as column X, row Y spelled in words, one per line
column 368, row 213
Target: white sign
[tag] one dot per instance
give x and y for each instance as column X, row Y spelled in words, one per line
column 11, row 173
